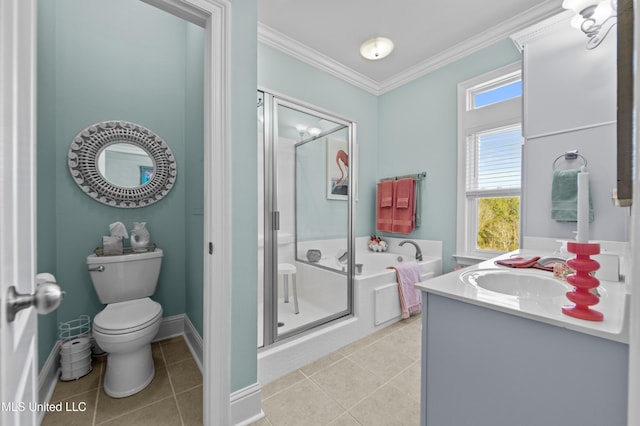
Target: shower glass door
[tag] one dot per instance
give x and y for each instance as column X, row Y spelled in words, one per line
column 308, row 215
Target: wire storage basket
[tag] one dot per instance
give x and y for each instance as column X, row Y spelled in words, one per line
column 75, row 352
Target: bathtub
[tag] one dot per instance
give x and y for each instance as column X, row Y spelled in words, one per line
column 371, row 263
column 375, row 300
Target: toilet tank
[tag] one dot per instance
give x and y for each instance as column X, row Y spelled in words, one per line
column 125, row 277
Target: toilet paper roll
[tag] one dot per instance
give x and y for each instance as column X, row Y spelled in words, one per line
column 118, row 229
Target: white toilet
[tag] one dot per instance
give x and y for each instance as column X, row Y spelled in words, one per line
column 125, row 327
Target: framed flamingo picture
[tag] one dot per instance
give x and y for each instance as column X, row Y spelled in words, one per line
column 338, row 163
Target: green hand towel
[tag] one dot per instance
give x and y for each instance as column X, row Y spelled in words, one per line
column 564, row 196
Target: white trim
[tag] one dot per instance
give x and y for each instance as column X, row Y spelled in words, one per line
column 529, row 34
column 573, row 129
column 170, row 327
column 297, row 50
column 194, row 341
column 272, row 38
column 215, row 17
column 181, row 325
column 246, row 405
column 474, row 121
column 48, row 377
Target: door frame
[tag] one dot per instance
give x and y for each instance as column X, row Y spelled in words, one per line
column 215, row 17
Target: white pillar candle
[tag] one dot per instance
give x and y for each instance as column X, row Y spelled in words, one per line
column 583, row 207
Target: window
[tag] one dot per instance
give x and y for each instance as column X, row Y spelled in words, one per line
column 489, row 164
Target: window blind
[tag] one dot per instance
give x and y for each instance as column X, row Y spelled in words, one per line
column 494, row 160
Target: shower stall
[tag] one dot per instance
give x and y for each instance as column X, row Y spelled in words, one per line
column 305, row 217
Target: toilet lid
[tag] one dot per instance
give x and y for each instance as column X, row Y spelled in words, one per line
column 127, row 317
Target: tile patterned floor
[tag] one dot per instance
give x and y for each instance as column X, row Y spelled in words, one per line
column 373, row 381
column 174, row 397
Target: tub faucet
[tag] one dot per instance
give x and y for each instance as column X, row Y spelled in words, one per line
column 342, row 257
column 418, row 251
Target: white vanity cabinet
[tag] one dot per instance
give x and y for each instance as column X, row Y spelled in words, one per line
column 485, row 367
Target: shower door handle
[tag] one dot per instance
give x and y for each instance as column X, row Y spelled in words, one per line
column 276, row 220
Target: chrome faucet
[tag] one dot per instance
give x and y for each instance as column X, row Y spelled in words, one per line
column 418, row 251
column 343, row 257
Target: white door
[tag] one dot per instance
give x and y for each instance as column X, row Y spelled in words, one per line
column 18, row 346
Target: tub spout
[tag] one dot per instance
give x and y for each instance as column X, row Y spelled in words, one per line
column 418, row 251
column 342, row 257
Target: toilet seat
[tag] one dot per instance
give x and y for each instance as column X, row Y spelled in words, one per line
column 127, row 317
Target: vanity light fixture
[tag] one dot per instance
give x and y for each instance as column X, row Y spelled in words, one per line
column 376, row 48
column 594, row 18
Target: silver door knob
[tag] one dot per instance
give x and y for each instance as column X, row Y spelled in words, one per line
column 46, row 299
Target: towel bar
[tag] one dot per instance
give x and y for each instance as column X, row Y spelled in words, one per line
column 416, row 176
column 568, row 156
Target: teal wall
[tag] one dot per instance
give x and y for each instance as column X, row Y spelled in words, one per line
column 116, row 60
column 244, row 195
column 147, row 69
column 312, row 205
column 46, row 150
column 89, row 73
column 407, row 130
column 280, row 73
column 194, row 206
column 418, row 132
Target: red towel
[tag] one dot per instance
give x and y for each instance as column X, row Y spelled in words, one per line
column 404, row 209
column 518, row 262
column 384, row 205
column 521, row 262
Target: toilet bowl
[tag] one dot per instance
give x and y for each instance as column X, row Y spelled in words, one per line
column 125, row 328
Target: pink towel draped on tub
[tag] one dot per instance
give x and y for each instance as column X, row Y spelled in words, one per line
column 384, row 205
column 408, row 275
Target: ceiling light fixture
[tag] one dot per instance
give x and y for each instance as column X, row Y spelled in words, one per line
column 376, row 48
column 594, row 18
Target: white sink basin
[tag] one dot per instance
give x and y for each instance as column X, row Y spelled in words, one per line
column 521, row 284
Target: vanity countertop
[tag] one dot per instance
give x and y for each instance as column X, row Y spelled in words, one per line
column 614, row 298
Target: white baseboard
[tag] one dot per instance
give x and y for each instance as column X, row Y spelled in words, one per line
column 245, row 404
column 48, row 377
column 194, row 341
column 170, row 327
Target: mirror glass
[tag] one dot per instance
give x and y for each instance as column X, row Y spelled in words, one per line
column 125, row 165
column 122, row 164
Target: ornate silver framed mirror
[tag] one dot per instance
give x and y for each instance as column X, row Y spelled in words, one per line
column 122, row 164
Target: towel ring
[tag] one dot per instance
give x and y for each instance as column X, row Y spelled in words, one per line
column 569, row 155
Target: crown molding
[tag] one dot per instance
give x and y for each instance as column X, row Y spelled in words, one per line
column 291, row 47
column 275, row 39
column 529, row 34
column 472, row 45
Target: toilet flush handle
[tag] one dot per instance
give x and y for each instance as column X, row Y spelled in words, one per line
column 100, row 268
